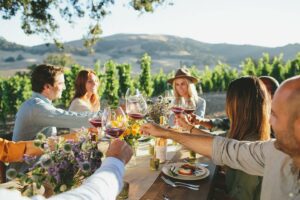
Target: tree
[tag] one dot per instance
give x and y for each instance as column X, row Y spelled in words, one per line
column 145, row 77
column 264, row 65
column 249, row 67
column 278, row 70
column 112, row 85
column 159, row 83
column 294, row 67
column 40, row 17
column 68, row 93
column 206, row 80
column 124, row 79
column 64, row 60
column 14, row 91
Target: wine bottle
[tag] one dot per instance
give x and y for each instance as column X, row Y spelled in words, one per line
column 161, row 146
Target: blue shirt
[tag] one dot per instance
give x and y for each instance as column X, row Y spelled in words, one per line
column 37, row 114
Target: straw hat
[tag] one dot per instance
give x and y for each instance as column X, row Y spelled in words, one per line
column 183, row 73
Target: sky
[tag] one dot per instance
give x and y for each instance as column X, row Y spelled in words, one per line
column 270, row 23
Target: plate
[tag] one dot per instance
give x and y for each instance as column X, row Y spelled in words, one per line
column 166, row 170
column 144, row 138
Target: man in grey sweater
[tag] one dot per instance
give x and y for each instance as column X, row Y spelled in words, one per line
column 277, row 160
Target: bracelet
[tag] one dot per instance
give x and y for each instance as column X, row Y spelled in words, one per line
column 192, row 129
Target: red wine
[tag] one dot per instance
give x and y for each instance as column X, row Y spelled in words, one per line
column 96, row 122
column 114, row 132
column 136, row 115
column 189, row 111
column 177, row 110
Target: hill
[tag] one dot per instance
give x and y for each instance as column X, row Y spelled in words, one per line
column 167, row 52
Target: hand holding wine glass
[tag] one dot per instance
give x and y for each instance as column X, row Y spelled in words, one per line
column 177, row 106
column 96, row 121
column 114, row 121
column 136, row 105
column 189, row 106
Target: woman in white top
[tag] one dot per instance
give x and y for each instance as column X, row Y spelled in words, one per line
column 86, row 98
column 184, row 86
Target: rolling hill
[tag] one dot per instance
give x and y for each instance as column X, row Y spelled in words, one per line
column 167, row 52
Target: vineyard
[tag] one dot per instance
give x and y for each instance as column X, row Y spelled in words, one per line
column 115, row 78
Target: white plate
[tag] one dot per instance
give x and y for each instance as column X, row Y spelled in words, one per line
column 144, row 138
column 166, row 171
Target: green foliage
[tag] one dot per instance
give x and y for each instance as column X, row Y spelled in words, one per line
column 41, row 18
column 64, row 60
column 100, row 71
column 264, row 65
column 278, row 70
column 293, row 67
column 112, row 85
column 145, row 77
column 13, row 92
column 124, row 79
column 68, row 93
column 9, row 59
column 206, row 80
column 159, row 83
column 249, row 67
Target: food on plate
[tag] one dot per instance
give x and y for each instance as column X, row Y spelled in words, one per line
column 187, row 169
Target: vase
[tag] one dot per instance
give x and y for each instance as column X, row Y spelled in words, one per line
column 124, row 192
column 132, row 161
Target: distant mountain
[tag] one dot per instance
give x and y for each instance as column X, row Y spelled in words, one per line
column 167, row 52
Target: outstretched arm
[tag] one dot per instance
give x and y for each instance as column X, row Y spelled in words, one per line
column 201, row 143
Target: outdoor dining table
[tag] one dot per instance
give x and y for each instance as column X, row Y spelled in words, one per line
column 146, row 184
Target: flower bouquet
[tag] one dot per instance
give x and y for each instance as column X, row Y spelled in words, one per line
column 158, row 108
column 60, row 169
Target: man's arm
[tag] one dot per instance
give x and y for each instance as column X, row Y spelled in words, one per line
column 243, row 155
column 48, row 115
column 246, row 156
column 198, row 143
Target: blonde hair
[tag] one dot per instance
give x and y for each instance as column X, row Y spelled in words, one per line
column 192, row 92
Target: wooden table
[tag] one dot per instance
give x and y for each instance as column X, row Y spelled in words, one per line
column 159, row 187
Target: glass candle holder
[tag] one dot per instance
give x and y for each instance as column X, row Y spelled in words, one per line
column 154, row 164
column 124, row 192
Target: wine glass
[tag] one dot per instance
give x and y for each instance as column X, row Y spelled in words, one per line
column 114, row 121
column 136, row 107
column 189, row 106
column 177, row 106
column 96, row 121
column 132, row 92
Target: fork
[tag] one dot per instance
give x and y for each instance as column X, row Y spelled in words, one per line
column 173, row 184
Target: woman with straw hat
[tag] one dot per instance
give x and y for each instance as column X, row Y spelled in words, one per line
column 184, row 86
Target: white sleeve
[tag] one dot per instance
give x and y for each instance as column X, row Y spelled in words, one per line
column 104, row 184
column 13, row 195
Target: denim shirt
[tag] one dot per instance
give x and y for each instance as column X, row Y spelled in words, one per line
column 39, row 115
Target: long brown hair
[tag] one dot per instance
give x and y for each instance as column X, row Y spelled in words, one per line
column 248, row 108
column 80, row 88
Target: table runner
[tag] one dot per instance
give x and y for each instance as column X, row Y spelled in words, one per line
column 140, row 177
